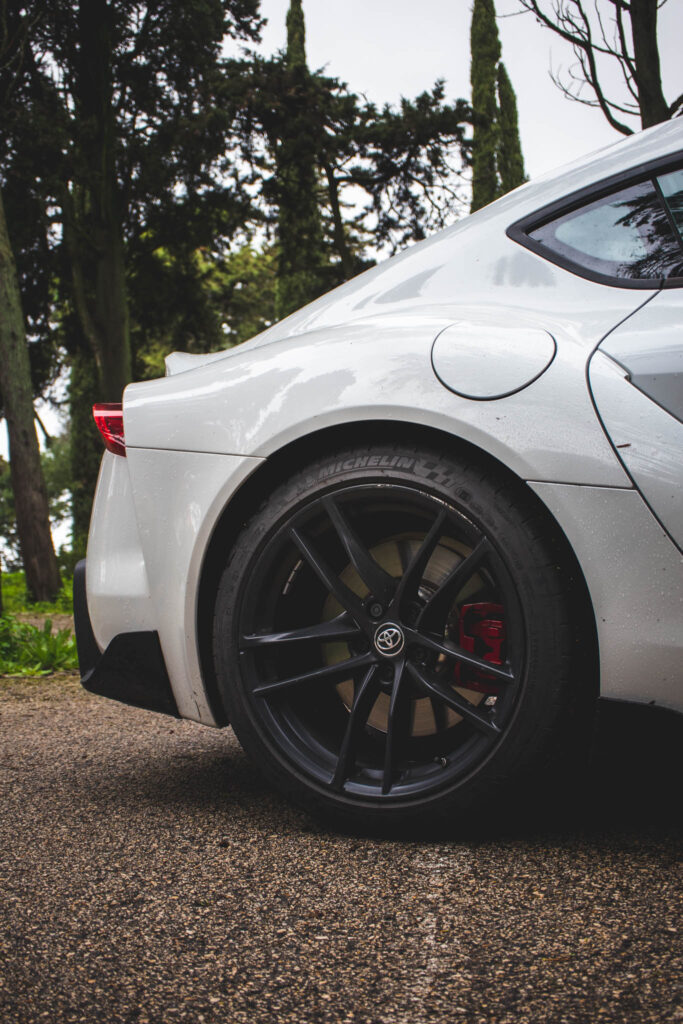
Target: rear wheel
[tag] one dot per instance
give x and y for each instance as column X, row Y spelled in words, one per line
column 391, row 638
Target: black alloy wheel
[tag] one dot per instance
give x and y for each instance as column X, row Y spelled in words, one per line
column 374, row 637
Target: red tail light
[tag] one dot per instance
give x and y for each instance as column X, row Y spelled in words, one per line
column 109, row 419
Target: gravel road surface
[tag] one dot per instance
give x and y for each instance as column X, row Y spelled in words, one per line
column 148, row 876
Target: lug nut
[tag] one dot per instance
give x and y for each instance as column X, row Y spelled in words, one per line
column 376, row 610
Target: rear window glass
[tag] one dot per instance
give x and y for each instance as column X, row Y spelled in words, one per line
column 627, row 234
column 672, row 190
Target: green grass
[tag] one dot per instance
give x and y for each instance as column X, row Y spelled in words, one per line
column 31, row 650
column 15, row 598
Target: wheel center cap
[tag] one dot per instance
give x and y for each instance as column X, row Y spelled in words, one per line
column 389, row 639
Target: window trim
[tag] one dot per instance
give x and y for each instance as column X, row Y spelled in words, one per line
column 519, row 230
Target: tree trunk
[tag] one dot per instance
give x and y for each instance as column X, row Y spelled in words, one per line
column 653, row 107
column 93, row 209
column 339, row 233
column 28, row 485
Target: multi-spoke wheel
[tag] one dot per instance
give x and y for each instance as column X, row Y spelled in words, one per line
column 390, row 637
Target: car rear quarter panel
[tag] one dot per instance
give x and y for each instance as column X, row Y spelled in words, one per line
column 255, row 404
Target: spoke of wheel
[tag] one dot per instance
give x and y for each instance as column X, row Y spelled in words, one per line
column 410, row 580
column 398, row 726
column 440, row 714
column 324, row 674
column 347, row 599
column 443, row 599
column 380, row 584
column 430, row 682
column 340, row 628
column 453, row 653
column 363, row 700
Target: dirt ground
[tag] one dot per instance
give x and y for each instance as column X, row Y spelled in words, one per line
column 59, row 620
column 148, row 876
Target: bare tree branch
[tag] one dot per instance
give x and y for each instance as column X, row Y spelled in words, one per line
column 627, row 38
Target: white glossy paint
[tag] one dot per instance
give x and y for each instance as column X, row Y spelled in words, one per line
column 648, row 440
column 119, row 595
column 178, row 498
column 650, row 346
column 635, row 578
column 254, row 403
column 179, row 362
column 490, row 360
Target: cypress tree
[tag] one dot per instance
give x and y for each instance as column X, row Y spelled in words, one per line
column 300, row 278
column 485, row 51
column 497, row 163
column 296, row 36
column 510, row 159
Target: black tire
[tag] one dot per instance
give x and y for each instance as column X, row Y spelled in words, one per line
column 369, row 548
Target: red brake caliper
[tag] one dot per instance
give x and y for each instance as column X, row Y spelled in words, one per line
column 482, row 632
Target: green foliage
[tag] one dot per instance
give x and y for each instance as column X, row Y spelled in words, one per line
column 300, row 239
column 296, row 36
column 497, row 163
column 15, row 597
column 408, row 159
column 485, row 48
column 382, row 176
column 114, row 145
column 510, row 159
column 30, row 650
column 238, row 301
column 244, row 285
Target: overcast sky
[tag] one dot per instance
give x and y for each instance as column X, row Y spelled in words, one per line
column 392, row 48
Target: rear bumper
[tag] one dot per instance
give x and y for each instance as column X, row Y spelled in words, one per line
column 131, row 668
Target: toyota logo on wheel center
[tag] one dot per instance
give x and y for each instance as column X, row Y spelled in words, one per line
column 389, row 639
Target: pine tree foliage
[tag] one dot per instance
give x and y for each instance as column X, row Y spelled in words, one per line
column 296, row 36
column 497, row 162
column 485, row 49
column 510, row 159
column 300, row 239
column 384, row 176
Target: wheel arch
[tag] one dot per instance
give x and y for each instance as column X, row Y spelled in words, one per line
column 275, row 469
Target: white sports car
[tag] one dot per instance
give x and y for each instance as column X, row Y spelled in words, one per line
column 404, row 539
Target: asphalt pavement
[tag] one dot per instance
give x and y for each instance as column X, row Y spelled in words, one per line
column 147, row 875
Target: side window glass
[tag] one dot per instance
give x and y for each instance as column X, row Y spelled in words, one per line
column 625, row 235
column 672, row 190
